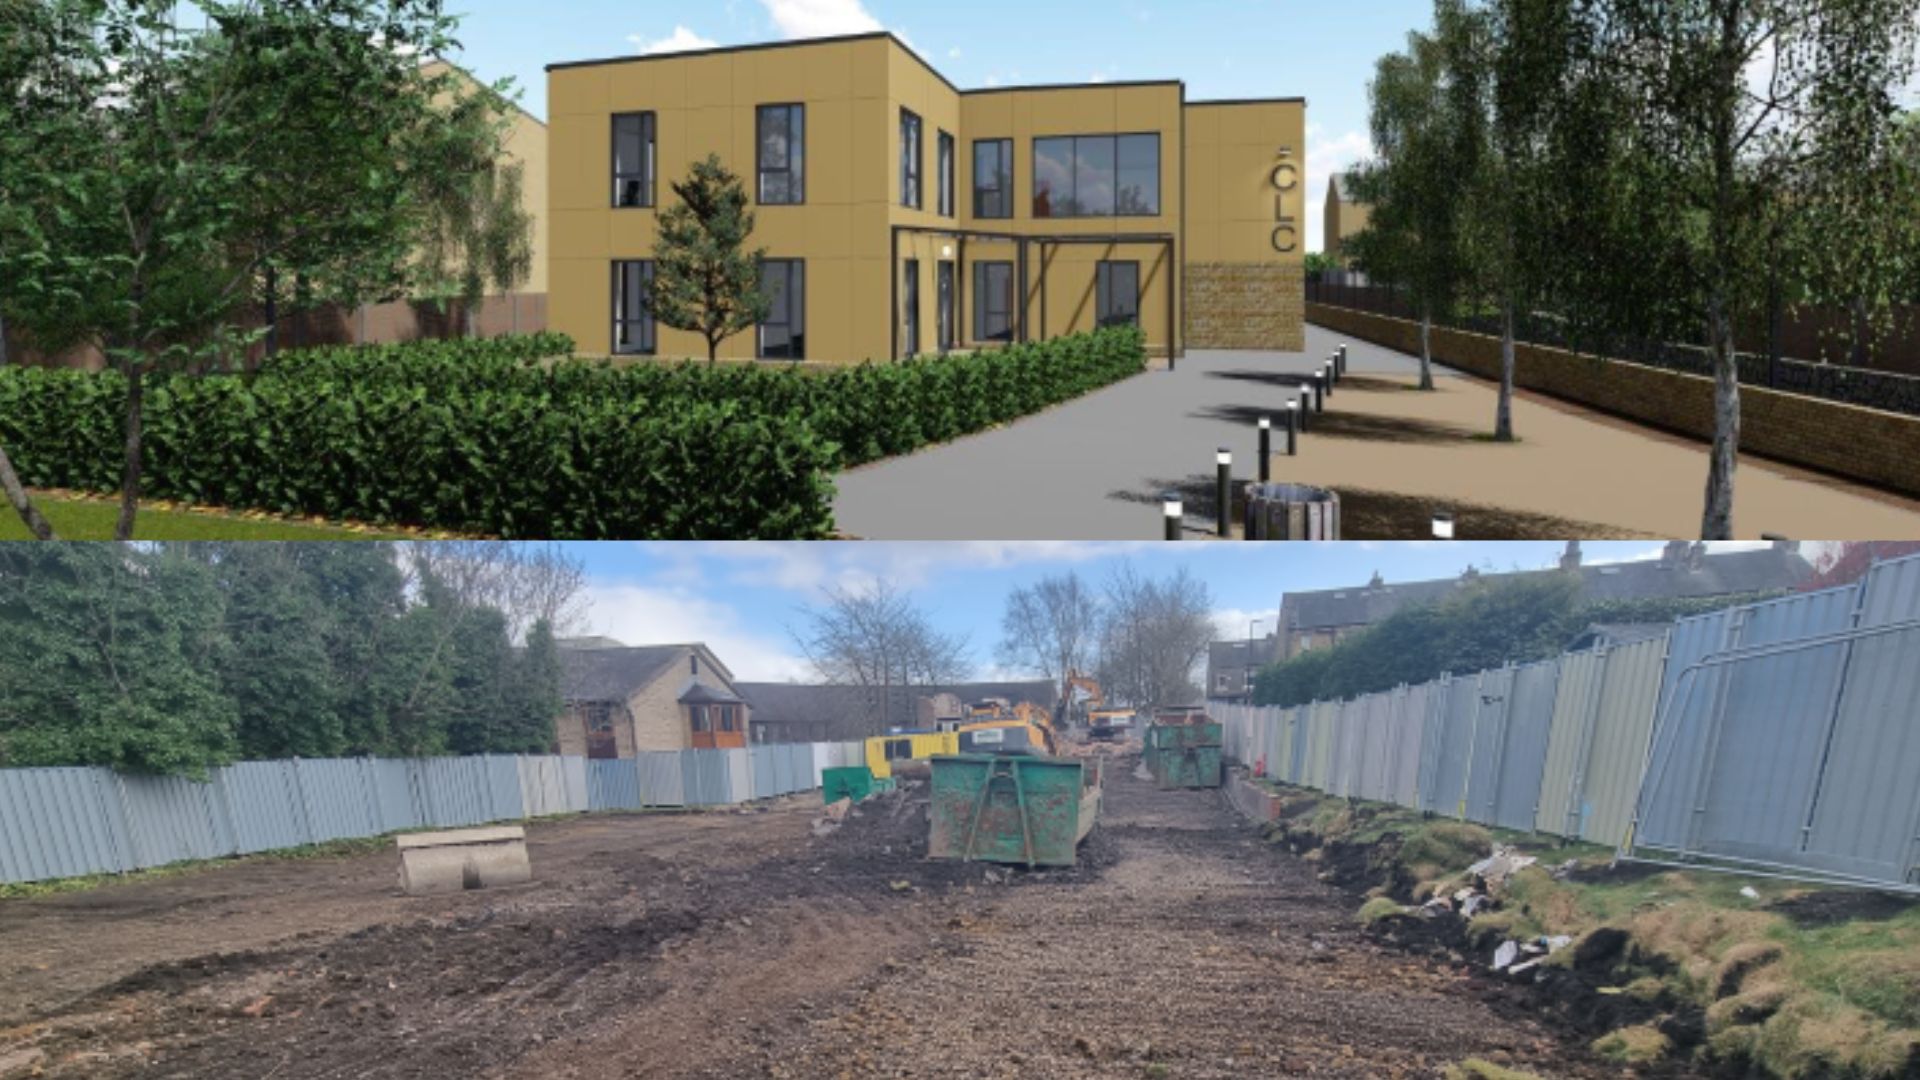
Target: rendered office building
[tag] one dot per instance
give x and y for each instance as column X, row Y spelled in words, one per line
column 901, row 215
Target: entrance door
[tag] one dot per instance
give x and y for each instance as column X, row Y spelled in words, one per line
column 943, row 287
column 912, row 301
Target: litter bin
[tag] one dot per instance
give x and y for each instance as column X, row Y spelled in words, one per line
column 1292, row 512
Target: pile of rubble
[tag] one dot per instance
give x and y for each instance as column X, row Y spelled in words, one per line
column 1514, row 957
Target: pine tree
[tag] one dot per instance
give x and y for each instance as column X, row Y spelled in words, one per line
column 704, row 280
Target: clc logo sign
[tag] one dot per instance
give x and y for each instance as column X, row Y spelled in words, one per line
column 1286, row 180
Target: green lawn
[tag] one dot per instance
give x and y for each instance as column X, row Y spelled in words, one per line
column 87, row 519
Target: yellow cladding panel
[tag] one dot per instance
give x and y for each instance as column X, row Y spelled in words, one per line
column 579, row 148
column 829, row 152
column 875, row 152
column 582, row 234
column 1235, row 208
column 582, row 90
column 581, row 302
column 710, row 80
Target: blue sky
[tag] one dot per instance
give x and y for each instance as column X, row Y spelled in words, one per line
column 1222, row 48
column 744, row 599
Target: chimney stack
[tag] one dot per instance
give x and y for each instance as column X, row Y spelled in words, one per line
column 1696, row 557
column 1675, row 554
column 1573, row 558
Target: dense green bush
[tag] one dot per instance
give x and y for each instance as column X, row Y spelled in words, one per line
column 497, row 437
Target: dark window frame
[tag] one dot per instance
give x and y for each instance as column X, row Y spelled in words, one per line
column 947, row 161
column 796, row 177
column 646, row 326
column 796, row 322
column 913, row 152
column 648, row 176
column 1004, row 174
column 910, row 306
column 1103, row 293
column 982, row 311
column 1159, row 164
column 945, row 284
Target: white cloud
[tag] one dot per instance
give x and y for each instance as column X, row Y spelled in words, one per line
column 953, row 53
column 810, row 567
column 820, row 18
column 1234, row 624
column 1097, row 77
column 1325, row 157
column 673, row 615
column 681, row 40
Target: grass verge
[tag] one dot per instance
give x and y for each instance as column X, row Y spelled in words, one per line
column 1737, row 976
column 76, row 517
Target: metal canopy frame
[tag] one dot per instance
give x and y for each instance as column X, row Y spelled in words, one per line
column 1166, row 242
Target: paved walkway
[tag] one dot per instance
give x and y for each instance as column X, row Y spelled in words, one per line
column 1094, row 468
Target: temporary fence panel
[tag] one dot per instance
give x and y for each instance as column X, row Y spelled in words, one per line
column 1487, row 738
column 1451, row 733
column 1688, row 696
column 1326, row 715
column 1300, row 725
column 1622, row 727
column 1576, row 705
column 1377, row 747
column 663, row 778
column 739, row 776
column 708, row 780
column 1523, row 755
column 1866, row 818
column 1407, row 735
column 1433, row 738
column 58, row 823
column 264, row 801
column 613, row 785
column 394, row 808
column 171, row 819
column 764, row 765
column 1348, row 744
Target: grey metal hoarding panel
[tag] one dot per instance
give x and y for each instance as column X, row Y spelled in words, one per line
column 1523, row 759
column 1488, row 738
column 263, row 802
column 58, row 823
column 663, row 778
column 1408, row 734
column 1575, row 704
column 1346, row 748
column 613, row 784
column 705, row 777
column 1867, row 817
column 1433, row 741
column 1618, row 754
column 395, row 807
column 1460, row 706
column 739, row 776
column 1679, row 743
column 573, row 776
column 1300, row 723
column 172, row 819
column 765, row 770
column 452, row 792
column 337, row 799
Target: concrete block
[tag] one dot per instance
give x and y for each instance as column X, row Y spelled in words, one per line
column 460, row 859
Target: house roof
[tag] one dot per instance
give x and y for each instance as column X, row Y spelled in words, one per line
column 1729, row 574
column 600, row 674
column 1617, row 634
column 1233, row 654
column 1337, row 184
column 702, row 694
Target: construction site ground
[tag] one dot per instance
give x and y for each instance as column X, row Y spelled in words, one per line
column 740, row 944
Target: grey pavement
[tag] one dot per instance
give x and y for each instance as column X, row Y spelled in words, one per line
column 1094, row 469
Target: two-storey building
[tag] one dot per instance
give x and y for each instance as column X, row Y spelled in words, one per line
column 901, row 215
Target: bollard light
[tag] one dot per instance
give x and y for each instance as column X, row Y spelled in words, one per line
column 1223, row 493
column 1293, row 429
column 1443, row 527
column 1327, row 374
column 1266, row 449
column 1343, row 358
column 1176, row 515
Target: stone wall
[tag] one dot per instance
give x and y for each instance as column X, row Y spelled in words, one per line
column 1868, row 445
column 1246, row 306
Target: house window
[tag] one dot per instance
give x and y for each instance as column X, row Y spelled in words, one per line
column 697, row 719
column 993, row 301
column 783, row 155
column 993, row 178
column 633, row 328
column 1096, row 176
column 783, row 336
column 910, row 153
column 599, row 717
column 727, row 718
column 1221, row 683
column 946, row 204
column 1117, row 293
column 633, row 159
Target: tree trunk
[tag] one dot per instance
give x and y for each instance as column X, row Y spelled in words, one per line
column 270, row 310
column 1724, row 457
column 4, row 358
column 713, row 351
column 1503, row 422
column 22, row 505
column 1426, row 349
column 130, row 473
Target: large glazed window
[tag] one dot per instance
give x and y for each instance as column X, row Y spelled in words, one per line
column 993, row 178
column 783, row 155
column 1096, row 176
column 633, row 327
column 1117, row 293
column 633, row 159
column 993, row 301
column 783, row 336
column 946, row 201
column 911, row 152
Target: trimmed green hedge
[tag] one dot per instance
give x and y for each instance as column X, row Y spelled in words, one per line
column 490, row 437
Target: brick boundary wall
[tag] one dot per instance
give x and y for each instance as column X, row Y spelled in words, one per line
column 1246, row 306
column 1254, row 802
column 1869, row 445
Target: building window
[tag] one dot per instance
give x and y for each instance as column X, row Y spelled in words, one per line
column 783, row 336
column 633, row 328
column 993, row 178
column 1096, row 176
column 633, row 159
column 943, row 299
column 1221, row 683
column 1117, row 293
column 783, row 155
column 946, row 202
column 910, row 298
column 993, row 301
column 697, row 719
column 599, row 717
column 910, row 153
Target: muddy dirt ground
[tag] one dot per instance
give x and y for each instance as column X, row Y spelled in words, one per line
column 740, row 945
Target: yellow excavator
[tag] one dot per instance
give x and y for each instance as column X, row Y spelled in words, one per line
column 996, row 726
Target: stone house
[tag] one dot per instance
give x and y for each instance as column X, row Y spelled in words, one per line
column 623, row 701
